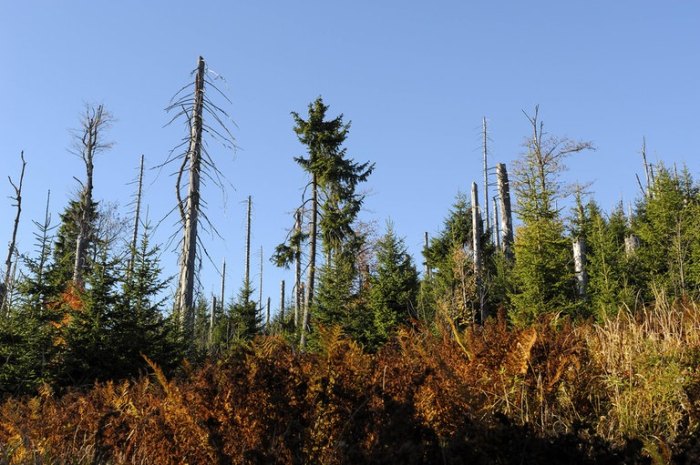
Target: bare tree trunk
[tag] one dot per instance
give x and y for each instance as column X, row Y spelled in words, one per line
column 260, row 294
column 246, row 278
column 212, row 321
column 496, row 228
column 486, row 175
column 312, row 262
column 506, row 213
column 476, row 249
column 88, row 146
column 282, row 301
column 428, row 274
column 137, row 220
column 299, row 294
column 647, row 169
column 223, row 285
column 190, row 213
column 579, row 249
column 6, row 285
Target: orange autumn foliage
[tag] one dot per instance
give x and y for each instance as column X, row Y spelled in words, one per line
column 522, row 395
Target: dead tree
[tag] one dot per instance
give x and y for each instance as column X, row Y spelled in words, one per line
column 88, row 143
column 505, row 209
column 212, row 321
column 426, row 265
column 476, row 250
column 260, row 294
column 6, row 285
column 486, row 174
column 282, row 301
column 246, row 275
column 579, row 248
column 137, row 218
column 496, row 228
column 195, row 166
column 189, row 208
column 647, row 167
column 298, row 285
column 223, row 285
column 313, row 240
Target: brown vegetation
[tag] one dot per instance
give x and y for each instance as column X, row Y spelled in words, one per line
column 624, row 391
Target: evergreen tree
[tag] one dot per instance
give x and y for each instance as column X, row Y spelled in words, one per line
column 451, row 286
column 139, row 326
column 62, row 266
column 245, row 319
column 26, row 338
column 609, row 280
column 393, row 286
column 666, row 222
column 89, row 315
column 334, row 202
column 543, row 272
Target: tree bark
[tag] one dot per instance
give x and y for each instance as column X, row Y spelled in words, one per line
column 496, row 228
column 185, row 294
column 299, row 293
column 579, row 249
column 506, row 213
column 282, row 301
column 246, row 278
column 89, row 145
column 137, row 219
column 6, row 285
column 313, row 233
column 486, row 216
column 476, row 246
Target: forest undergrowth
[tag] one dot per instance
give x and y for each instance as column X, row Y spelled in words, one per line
column 626, row 390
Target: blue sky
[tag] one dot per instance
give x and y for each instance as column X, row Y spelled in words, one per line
column 415, row 78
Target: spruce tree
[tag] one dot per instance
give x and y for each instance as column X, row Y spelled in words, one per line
column 334, row 202
column 451, row 287
column 140, row 327
column 543, row 272
column 393, row 287
column 609, row 281
column 666, row 222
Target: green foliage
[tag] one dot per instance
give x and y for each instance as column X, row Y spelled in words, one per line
column 61, row 269
column 666, row 223
column 342, row 300
column 449, row 257
column 393, row 287
column 543, row 271
column 608, row 266
column 244, row 316
column 140, row 327
column 336, row 175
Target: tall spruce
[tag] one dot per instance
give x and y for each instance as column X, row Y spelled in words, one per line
column 334, row 202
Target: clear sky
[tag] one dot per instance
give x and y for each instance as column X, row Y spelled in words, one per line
column 415, row 78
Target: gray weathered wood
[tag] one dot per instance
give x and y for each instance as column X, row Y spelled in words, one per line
column 486, row 217
column 476, row 250
column 579, row 250
column 505, row 210
column 313, row 236
column 189, row 211
column 282, row 301
column 6, row 285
